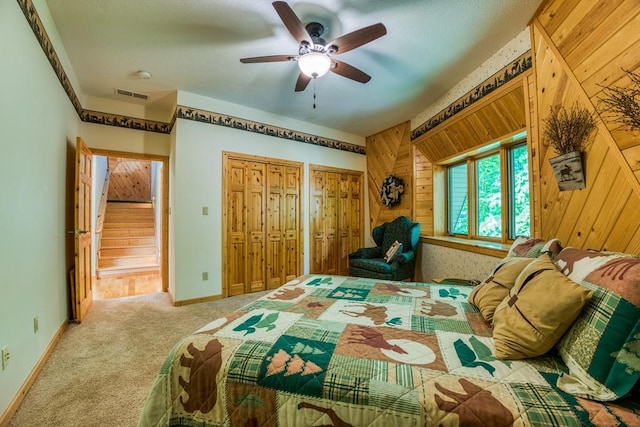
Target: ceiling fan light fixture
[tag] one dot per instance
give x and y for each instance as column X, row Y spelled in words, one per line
column 314, row 64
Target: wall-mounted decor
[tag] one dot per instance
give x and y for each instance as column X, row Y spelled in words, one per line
column 568, row 132
column 392, row 189
column 622, row 104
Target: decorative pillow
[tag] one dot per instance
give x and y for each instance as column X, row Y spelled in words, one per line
column 394, row 250
column 533, row 248
column 490, row 293
column 540, row 307
column 602, row 348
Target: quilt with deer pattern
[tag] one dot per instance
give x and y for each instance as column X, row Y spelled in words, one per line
column 346, row 351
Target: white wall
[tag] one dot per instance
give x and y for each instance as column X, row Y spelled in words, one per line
column 38, row 121
column 98, row 175
column 439, row 262
column 197, row 182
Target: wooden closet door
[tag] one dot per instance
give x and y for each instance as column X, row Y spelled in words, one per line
column 256, row 185
column 275, row 229
column 292, row 224
column 236, row 228
column 331, row 223
column 316, row 222
column 262, row 245
column 335, row 218
column 344, row 224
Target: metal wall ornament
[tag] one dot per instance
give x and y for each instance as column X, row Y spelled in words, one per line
column 392, row 189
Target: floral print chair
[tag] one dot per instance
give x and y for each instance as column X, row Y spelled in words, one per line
column 371, row 262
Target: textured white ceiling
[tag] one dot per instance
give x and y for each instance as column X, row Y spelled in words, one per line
column 195, row 46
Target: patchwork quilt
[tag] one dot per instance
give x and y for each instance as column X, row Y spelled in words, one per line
column 346, row 351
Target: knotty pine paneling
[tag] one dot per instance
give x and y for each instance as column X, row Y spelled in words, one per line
column 423, row 191
column 578, row 49
column 130, row 181
column 390, row 153
column 500, row 113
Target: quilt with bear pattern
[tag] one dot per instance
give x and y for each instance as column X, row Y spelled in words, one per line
column 346, row 351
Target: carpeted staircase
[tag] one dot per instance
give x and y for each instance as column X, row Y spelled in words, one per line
column 128, row 240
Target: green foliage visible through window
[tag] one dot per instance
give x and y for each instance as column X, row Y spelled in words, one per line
column 486, row 195
column 489, row 202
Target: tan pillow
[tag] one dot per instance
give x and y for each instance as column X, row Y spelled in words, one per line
column 541, row 306
column 490, row 293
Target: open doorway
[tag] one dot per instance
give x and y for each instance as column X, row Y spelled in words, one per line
column 129, row 209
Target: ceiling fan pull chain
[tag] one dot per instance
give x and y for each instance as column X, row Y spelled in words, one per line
column 314, row 93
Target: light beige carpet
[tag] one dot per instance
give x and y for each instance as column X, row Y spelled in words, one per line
column 101, row 371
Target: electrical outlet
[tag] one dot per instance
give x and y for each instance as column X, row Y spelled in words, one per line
column 5, row 356
column 205, row 210
column 205, row 275
column 36, row 325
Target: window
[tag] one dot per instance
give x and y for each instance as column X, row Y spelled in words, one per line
column 496, row 186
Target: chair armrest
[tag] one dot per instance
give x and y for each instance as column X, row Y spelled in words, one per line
column 405, row 257
column 366, row 253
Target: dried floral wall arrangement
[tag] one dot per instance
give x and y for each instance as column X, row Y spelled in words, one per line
column 568, row 131
column 622, row 104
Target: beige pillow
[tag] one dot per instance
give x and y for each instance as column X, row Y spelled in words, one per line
column 541, row 306
column 490, row 293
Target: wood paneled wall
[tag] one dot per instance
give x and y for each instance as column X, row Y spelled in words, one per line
column 423, row 186
column 390, row 153
column 580, row 46
column 499, row 114
column 130, row 180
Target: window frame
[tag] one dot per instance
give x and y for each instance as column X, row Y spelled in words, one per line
column 506, row 184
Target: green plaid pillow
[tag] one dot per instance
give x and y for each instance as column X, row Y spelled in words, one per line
column 525, row 247
column 602, row 348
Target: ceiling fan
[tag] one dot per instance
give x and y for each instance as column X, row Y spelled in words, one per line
column 315, row 56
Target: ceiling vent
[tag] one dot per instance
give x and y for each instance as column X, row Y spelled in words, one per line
column 131, row 94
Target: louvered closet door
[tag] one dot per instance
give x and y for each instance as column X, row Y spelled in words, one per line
column 344, row 224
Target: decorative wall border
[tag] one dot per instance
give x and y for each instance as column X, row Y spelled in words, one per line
column 509, row 72
column 109, row 119
column 204, row 116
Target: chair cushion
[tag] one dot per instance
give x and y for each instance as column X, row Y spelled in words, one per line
column 378, row 265
column 540, row 307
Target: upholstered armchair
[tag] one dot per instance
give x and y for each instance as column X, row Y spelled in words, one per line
column 370, row 262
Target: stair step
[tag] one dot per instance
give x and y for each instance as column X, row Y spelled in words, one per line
column 115, row 219
column 137, row 225
column 130, row 205
column 129, row 261
column 128, row 232
column 116, row 271
column 119, row 242
column 115, row 252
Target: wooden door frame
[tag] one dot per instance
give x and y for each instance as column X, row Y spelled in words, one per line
column 164, row 256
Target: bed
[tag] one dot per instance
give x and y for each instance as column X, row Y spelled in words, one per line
column 346, row 351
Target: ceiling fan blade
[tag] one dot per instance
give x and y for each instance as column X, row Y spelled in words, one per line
column 303, row 82
column 349, row 71
column 270, row 58
column 356, row 38
column 292, row 22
